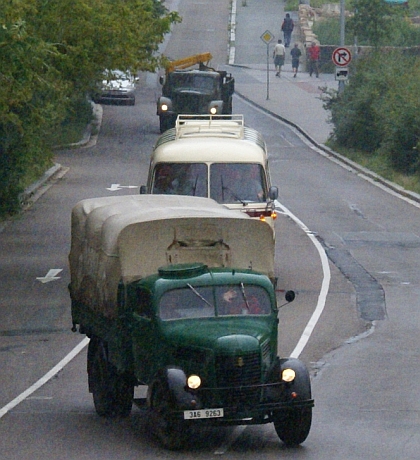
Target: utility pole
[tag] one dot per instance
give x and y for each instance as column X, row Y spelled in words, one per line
column 342, row 37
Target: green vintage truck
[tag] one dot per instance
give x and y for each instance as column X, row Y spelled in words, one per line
column 176, row 293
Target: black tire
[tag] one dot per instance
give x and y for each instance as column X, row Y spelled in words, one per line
column 112, row 393
column 172, row 434
column 293, row 426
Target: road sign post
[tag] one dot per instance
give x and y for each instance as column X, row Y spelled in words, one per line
column 341, row 57
column 341, row 73
column 267, row 37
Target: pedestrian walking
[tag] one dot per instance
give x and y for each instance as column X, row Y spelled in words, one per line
column 296, row 53
column 287, row 29
column 313, row 55
column 279, row 54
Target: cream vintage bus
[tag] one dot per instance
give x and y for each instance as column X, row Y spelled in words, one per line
column 219, row 158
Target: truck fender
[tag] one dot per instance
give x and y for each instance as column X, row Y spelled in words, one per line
column 298, row 390
column 164, row 101
column 173, row 380
column 301, row 385
column 218, row 104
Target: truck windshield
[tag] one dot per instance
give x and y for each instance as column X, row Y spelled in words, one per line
column 209, row 301
column 233, row 182
column 193, row 81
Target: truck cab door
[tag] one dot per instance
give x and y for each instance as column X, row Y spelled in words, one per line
column 145, row 337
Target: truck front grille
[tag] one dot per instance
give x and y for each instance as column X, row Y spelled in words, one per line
column 190, row 104
column 237, row 373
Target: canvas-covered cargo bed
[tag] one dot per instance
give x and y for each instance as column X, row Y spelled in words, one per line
column 129, row 237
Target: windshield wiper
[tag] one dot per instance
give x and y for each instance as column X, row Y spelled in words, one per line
column 244, row 296
column 195, row 185
column 200, row 296
column 244, row 203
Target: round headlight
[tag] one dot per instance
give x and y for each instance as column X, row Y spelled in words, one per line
column 193, row 382
column 288, row 375
column 164, row 107
column 213, row 110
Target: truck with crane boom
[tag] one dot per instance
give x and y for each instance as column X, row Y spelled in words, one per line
column 192, row 87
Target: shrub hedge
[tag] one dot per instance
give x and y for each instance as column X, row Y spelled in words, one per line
column 379, row 110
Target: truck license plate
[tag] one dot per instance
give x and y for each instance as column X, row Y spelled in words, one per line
column 202, row 413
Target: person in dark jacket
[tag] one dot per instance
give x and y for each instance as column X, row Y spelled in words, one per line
column 296, row 53
column 287, row 29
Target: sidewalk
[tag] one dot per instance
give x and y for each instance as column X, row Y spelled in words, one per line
column 296, row 100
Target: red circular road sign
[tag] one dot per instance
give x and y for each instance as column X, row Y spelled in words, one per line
column 341, row 57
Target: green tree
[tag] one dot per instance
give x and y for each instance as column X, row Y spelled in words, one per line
column 379, row 111
column 29, row 90
column 401, row 120
column 94, row 35
column 371, row 21
column 53, row 51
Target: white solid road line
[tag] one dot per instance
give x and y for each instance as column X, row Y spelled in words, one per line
column 43, row 380
column 326, row 278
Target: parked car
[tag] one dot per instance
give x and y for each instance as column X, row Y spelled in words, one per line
column 118, row 87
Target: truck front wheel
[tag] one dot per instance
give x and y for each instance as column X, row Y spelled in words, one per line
column 112, row 392
column 293, row 426
column 170, row 433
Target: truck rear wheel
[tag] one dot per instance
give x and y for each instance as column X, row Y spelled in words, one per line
column 293, row 426
column 112, row 392
column 171, row 434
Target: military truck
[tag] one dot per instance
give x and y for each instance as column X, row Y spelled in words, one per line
column 219, row 158
column 176, row 293
column 188, row 89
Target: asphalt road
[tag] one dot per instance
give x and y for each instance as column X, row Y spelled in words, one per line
column 365, row 386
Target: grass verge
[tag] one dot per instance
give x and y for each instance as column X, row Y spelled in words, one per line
column 379, row 165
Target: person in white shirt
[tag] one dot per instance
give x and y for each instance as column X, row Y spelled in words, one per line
column 278, row 56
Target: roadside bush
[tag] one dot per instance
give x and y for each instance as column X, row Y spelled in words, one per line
column 405, row 33
column 328, row 32
column 379, row 110
column 23, row 158
column 401, row 123
column 72, row 128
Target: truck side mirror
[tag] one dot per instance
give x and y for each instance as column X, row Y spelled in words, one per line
column 143, row 189
column 289, row 297
column 273, row 193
